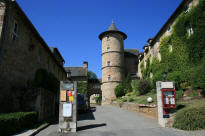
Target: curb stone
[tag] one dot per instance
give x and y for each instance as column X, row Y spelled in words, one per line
column 39, row 129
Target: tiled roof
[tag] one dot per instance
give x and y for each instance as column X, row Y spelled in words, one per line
column 132, row 51
column 77, row 71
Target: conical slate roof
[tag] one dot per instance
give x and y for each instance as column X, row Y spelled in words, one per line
column 112, row 29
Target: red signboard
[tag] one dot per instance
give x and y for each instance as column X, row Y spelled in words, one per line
column 168, row 98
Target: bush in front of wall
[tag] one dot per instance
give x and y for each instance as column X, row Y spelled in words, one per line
column 12, row 123
column 127, row 84
column 144, row 87
column 192, row 118
column 119, row 90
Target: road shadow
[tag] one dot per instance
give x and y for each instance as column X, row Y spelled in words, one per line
column 90, row 126
column 87, row 115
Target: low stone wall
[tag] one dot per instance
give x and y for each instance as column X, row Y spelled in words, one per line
column 148, row 111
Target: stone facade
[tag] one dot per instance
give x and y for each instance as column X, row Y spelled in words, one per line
column 151, row 49
column 22, row 53
column 116, row 62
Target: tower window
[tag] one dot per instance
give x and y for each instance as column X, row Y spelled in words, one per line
column 109, row 78
column 108, row 63
column 108, row 48
column 108, row 38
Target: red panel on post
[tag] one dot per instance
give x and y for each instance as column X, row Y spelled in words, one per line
column 168, row 98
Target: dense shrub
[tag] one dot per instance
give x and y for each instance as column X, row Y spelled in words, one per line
column 190, row 119
column 136, row 86
column 179, row 94
column 127, row 84
column 144, row 87
column 198, row 76
column 15, row 122
column 119, row 90
column 46, row 80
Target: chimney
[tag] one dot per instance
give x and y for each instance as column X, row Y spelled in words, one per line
column 85, row 64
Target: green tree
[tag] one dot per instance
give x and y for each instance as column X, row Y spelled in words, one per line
column 127, row 84
column 92, row 75
column 82, row 87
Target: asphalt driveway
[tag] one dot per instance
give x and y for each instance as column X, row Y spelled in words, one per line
column 113, row 121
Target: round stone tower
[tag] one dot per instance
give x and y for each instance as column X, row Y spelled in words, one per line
column 112, row 62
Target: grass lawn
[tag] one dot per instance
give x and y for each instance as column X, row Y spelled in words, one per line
column 190, row 115
column 142, row 99
column 191, row 103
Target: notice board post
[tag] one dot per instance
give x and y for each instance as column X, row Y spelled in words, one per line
column 68, row 107
column 166, row 101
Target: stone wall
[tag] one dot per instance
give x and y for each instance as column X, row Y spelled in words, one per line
column 20, row 58
column 131, row 65
column 148, row 111
column 46, row 104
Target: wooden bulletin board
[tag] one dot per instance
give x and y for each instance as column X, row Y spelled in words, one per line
column 63, row 96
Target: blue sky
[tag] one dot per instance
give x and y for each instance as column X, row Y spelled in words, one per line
column 73, row 26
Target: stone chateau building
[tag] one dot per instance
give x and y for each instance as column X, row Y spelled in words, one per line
column 22, row 52
column 151, row 49
column 118, row 62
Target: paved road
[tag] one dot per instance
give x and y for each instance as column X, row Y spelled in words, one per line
column 113, row 121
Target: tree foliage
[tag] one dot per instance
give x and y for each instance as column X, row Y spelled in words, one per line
column 119, row 90
column 91, row 75
column 82, row 87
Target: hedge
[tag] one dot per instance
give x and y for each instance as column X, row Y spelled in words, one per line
column 12, row 123
column 192, row 118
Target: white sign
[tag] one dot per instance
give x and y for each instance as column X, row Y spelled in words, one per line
column 67, row 110
column 167, row 85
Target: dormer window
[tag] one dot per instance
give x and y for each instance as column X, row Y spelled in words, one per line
column 108, row 63
column 170, row 46
column 169, row 28
column 187, row 8
column 158, row 40
column 190, row 31
column 108, row 48
column 14, row 30
column 109, row 78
